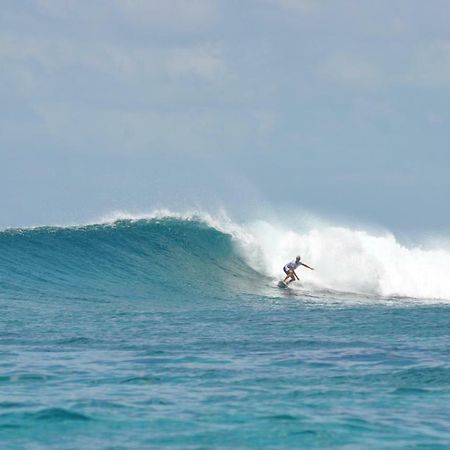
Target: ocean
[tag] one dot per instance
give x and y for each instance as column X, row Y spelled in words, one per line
column 168, row 331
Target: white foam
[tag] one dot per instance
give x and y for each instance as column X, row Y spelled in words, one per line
column 351, row 260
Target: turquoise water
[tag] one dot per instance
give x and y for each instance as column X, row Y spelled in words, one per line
column 157, row 333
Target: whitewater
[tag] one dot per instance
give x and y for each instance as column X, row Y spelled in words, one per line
column 167, row 329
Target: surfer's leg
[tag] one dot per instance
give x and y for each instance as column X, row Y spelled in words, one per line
column 292, row 279
column 289, row 275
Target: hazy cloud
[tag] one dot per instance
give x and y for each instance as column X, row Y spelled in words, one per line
column 34, row 61
column 299, row 6
column 430, row 65
column 270, row 88
column 59, row 9
column 205, row 62
column 178, row 14
column 350, row 70
column 188, row 132
column 167, row 15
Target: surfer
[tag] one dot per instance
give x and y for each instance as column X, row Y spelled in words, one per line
column 289, row 270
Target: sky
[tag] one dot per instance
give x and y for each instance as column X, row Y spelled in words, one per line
column 336, row 107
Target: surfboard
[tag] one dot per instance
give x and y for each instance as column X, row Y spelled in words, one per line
column 282, row 284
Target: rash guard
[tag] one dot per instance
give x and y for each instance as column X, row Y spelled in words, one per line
column 292, row 265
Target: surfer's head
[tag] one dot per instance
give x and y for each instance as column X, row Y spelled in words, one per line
column 298, row 258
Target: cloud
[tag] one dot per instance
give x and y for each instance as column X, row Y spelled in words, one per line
column 181, row 14
column 299, row 6
column 40, row 61
column 351, row 71
column 58, row 9
column 205, row 62
column 116, row 97
column 430, row 65
column 147, row 131
column 434, row 118
column 166, row 16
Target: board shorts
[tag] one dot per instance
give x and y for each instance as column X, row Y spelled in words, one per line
column 286, row 270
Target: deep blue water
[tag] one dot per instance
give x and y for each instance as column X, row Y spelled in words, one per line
column 156, row 334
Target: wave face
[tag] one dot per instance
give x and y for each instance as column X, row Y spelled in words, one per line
column 169, row 255
column 123, row 258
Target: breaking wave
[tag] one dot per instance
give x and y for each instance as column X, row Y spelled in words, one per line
column 198, row 254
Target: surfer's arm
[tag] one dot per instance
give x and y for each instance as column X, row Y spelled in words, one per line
column 303, row 264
